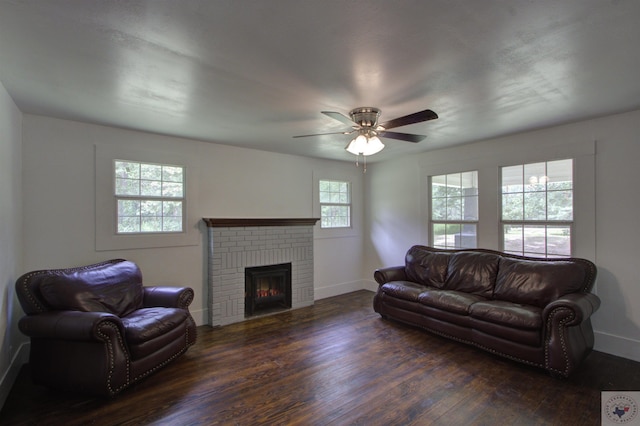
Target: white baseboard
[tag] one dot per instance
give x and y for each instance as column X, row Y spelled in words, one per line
column 617, row 345
column 20, row 358
column 343, row 288
column 200, row 316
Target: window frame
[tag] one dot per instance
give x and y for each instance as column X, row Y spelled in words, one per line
column 532, row 223
column 348, row 204
column 106, row 235
column 461, row 222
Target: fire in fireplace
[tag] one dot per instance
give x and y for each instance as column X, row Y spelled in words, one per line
column 267, row 289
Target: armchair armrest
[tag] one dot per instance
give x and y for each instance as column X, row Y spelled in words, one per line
column 70, row 325
column 581, row 305
column 168, row 297
column 392, row 273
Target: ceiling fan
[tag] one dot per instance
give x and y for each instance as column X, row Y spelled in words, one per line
column 364, row 122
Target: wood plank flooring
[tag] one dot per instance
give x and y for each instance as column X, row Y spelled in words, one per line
column 335, row 363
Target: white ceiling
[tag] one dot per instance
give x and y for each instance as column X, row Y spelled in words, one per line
column 254, row 73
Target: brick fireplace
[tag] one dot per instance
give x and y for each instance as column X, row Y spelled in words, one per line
column 238, row 244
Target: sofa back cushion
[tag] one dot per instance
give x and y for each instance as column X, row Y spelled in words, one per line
column 538, row 283
column 472, row 272
column 426, row 267
column 115, row 288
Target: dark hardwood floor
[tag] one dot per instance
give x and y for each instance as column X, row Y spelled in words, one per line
column 335, row 363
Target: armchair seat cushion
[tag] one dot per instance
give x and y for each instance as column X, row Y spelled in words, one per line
column 148, row 323
column 146, row 329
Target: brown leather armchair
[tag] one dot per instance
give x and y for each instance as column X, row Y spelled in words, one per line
column 96, row 329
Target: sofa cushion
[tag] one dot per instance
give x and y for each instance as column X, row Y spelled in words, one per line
column 472, row 272
column 507, row 313
column 538, row 283
column 115, row 288
column 426, row 267
column 406, row 290
column 449, row 300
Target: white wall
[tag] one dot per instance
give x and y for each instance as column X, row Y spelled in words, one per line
column 12, row 355
column 606, row 208
column 59, row 203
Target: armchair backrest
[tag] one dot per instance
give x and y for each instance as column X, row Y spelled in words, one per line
column 113, row 286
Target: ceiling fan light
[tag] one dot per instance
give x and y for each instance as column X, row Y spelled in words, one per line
column 373, row 146
column 358, row 145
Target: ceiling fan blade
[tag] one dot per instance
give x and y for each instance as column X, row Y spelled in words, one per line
column 416, row 117
column 338, row 116
column 322, row 134
column 407, row 137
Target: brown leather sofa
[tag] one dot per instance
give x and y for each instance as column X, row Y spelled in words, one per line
column 535, row 311
column 96, row 329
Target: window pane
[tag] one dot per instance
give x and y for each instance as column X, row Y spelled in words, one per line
column 127, row 186
column 172, row 208
column 535, row 176
column 128, row 208
column 151, row 208
column 172, row 224
column 150, row 172
column 127, row 169
column 560, row 174
column 171, row 189
column 172, row 174
column 454, row 209
column 151, row 188
column 512, row 206
column 559, row 241
column 439, row 209
column 151, row 224
column 513, row 238
column 560, row 205
column 535, row 206
column 535, row 240
column 470, row 208
column 128, row 224
column 512, row 180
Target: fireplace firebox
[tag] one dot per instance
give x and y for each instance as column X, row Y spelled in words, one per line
column 267, row 289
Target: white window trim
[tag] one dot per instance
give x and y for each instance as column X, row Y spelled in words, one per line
column 107, row 237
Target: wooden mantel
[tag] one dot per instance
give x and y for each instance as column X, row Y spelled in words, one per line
column 233, row 222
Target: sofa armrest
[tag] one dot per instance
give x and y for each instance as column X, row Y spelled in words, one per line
column 168, row 297
column 70, row 325
column 581, row 305
column 392, row 273
column 568, row 333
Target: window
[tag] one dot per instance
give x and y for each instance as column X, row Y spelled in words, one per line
column 149, row 197
column 537, row 208
column 335, row 204
column 454, row 210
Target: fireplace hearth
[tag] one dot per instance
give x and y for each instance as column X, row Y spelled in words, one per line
column 267, row 289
